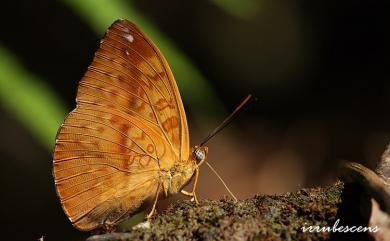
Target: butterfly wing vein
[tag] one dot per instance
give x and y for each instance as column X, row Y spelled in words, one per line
column 128, row 126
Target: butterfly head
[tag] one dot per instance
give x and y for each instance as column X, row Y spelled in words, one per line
column 200, row 154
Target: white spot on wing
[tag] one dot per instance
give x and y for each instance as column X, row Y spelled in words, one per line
column 129, row 37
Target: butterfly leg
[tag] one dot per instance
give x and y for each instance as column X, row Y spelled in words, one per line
column 153, row 211
column 193, row 192
column 195, row 184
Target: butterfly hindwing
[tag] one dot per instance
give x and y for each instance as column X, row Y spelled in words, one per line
column 129, row 124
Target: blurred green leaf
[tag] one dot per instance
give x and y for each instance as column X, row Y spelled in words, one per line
column 194, row 88
column 243, row 9
column 32, row 102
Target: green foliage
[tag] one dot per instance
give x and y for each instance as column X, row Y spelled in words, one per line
column 245, row 9
column 29, row 100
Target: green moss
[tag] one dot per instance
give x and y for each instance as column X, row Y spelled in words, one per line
column 276, row 217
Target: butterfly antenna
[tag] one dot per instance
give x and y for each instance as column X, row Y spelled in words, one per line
column 223, row 182
column 245, row 103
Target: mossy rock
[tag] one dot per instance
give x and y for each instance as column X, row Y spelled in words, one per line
column 263, row 217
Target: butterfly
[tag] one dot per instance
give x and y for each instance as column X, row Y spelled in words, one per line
column 126, row 142
column 127, row 139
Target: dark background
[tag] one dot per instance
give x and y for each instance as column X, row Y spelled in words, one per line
column 319, row 68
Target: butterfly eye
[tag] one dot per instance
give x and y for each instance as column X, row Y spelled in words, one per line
column 199, row 154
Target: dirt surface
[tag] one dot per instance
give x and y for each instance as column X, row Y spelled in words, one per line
column 263, row 217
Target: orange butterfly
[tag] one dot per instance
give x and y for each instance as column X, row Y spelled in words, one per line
column 127, row 139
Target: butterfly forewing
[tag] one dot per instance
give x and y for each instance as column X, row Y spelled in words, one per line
column 129, row 124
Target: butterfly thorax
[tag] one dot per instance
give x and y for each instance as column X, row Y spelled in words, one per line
column 182, row 172
column 179, row 175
